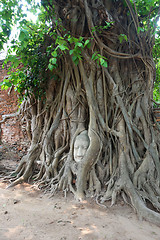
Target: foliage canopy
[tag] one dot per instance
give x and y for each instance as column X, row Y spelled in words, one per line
column 38, row 46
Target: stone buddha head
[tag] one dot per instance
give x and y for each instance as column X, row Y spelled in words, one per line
column 81, row 145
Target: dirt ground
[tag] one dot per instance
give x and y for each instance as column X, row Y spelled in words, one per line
column 26, row 213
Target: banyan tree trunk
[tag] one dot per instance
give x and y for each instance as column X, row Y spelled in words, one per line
column 114, row 105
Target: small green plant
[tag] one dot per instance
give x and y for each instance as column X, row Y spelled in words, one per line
column 122, row 37
column 101, row 60
column 99, row 29
column 68, row 44
column 74, row 47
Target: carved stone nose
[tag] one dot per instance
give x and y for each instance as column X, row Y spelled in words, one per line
column 79, row 152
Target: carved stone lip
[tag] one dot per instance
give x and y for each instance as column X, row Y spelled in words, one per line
column 78, row 159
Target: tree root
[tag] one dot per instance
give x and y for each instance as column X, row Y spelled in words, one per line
column 142, row 210
column 16, row 182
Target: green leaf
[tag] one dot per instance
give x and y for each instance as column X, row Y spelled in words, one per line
column 77, row 51
column 140, row 30
column 71, row 52
column 53, row 61
column 63, row 47
column 103, row 63
column 23, row 35
column 80, row 39
column 94, row 56
column 9, row 84
column 76, row 59
column 24, row 44
column 4, row 87
column 51, row 67
column 72, row 39
column 79, row 45
column 86, row 42
column 125, row 37
column 93, row 29
column 54, row 54
column 122, row 37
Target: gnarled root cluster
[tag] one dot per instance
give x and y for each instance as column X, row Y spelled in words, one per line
column 113, row 104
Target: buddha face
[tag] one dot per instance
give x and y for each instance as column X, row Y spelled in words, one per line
column 80, row 147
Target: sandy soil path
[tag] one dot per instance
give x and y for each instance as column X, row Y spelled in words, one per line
column 28, row 214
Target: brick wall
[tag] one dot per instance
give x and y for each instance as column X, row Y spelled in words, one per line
column 11, row 129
